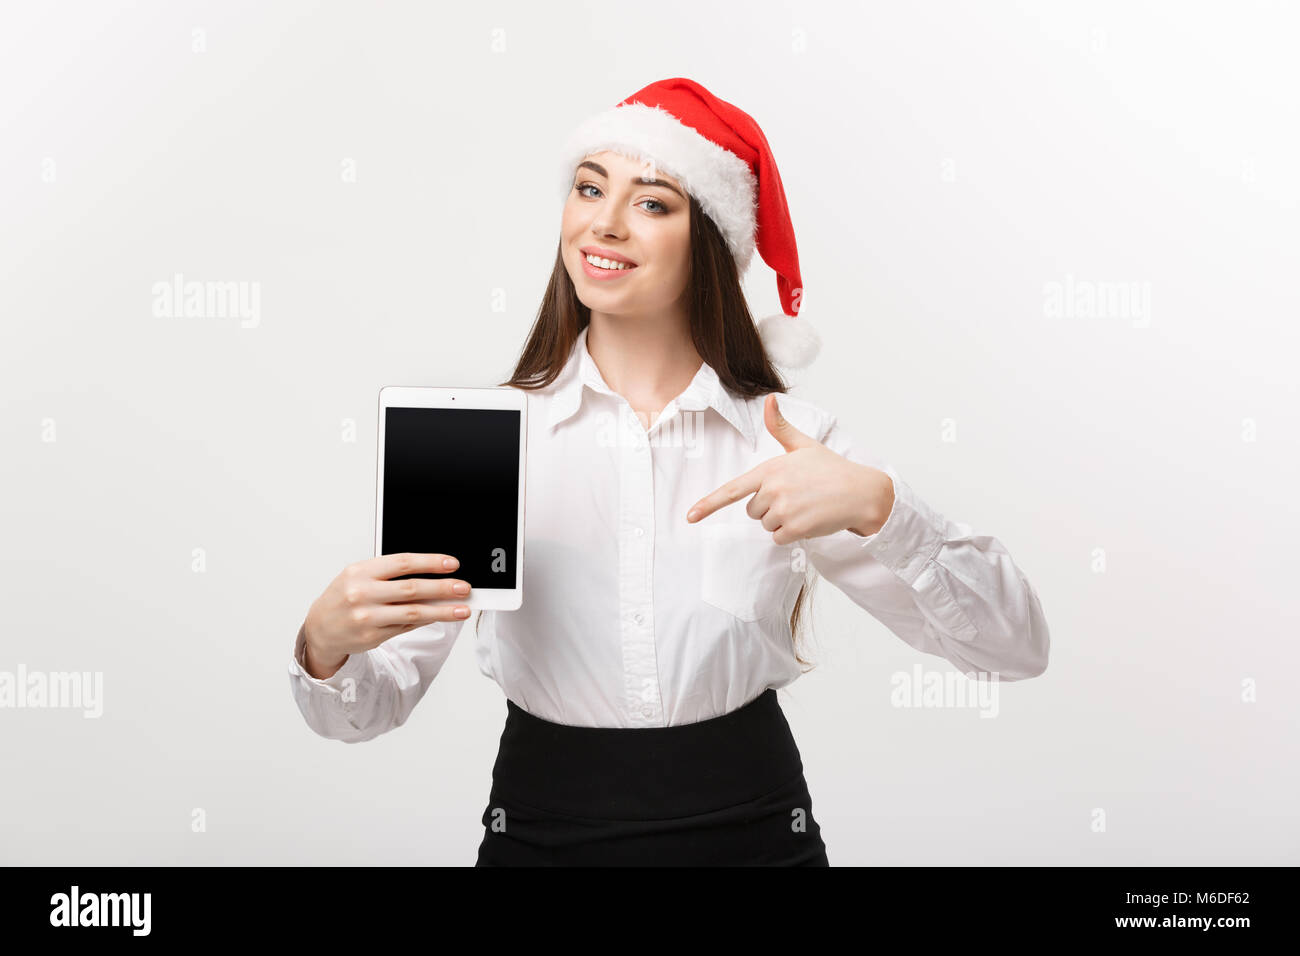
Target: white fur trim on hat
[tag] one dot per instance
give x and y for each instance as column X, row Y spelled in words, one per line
column 720, row 181
column 789, row 341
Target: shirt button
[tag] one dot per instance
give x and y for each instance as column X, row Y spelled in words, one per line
column 638, row 618
column 639, row 532
column 647, row 711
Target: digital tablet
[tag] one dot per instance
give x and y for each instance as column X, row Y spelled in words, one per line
column 451, row 481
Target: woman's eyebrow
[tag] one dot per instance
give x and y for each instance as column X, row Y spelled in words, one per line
column 636, row 179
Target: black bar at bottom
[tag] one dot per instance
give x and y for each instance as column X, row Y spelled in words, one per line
column 333, row 904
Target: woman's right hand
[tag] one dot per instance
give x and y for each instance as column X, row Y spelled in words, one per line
column 362, row 608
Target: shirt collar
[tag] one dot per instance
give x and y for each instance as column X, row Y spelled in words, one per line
column 705, row 391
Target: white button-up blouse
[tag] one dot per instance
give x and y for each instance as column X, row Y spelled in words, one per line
column 633, row 618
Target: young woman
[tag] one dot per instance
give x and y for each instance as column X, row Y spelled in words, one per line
column 661, row 614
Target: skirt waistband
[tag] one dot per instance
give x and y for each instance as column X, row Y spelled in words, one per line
column 643, row 773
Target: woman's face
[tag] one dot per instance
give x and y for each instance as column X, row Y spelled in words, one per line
column 621, row 208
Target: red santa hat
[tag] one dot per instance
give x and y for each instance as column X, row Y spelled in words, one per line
column 719, row 154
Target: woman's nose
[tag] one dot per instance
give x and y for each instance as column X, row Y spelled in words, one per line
column 607, row 224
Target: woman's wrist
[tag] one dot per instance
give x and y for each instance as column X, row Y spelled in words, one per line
column 879, row 503
column 319, row 665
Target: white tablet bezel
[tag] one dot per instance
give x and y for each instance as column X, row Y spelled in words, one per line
column 493, row 397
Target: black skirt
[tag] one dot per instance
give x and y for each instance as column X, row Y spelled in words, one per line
column 727, row 791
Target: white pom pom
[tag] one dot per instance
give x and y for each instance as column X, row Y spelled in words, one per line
column 790, row 342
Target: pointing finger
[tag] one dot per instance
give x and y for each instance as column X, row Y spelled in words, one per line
column 731, row 492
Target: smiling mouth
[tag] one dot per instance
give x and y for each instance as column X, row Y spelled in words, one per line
column 610, row 265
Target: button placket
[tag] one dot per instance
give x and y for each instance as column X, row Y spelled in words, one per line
column 636, row 582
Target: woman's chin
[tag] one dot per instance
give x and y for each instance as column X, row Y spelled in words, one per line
column 592, row 291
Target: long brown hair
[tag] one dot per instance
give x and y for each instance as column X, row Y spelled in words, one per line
column 722, row 329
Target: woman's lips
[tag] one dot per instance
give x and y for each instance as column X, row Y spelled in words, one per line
column 596, row 272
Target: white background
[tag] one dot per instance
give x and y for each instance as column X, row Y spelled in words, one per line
column 944, row 163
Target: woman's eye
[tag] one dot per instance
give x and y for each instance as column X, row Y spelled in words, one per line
column 581, row 186
column 662, row 207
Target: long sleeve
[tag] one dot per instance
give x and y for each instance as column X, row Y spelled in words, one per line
column 375, row 691
column 938, row 586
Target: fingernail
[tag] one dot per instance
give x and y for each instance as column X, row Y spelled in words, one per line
column 462, row 612
column 692, row 514
column 461, row 588
column 450, row 563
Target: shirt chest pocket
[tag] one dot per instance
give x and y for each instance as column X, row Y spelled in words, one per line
column 742, row 571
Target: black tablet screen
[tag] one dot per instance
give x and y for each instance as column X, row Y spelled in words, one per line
column 451, row 486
